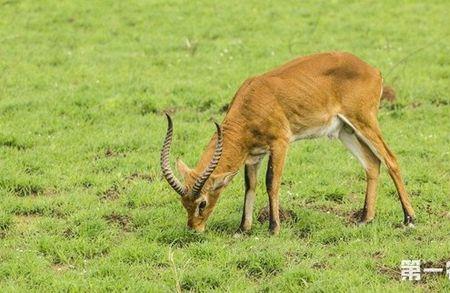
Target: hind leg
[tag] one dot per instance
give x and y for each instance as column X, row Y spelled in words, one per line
column 273, row 181
column 371, row 165
column 371, row 132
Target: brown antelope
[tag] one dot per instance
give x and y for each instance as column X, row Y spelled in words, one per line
column 328, row 94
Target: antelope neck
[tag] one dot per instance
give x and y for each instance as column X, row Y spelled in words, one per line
column 233, row 154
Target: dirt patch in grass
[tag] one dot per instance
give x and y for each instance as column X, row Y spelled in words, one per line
column 115, row 151
column 391, row 273
column 140, row 176
column 111, row 193
column 112, row 153
column 438, row 264
column 123, row 221
column 320, row 266
column 69, row 233
column 61, row 268
column 285, row 215
column 388, row 94
column 354, row 216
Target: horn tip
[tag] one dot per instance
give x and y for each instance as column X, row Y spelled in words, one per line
column 217, row 126
column 169, row 119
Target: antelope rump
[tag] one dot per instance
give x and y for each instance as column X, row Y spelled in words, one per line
column 328, row 94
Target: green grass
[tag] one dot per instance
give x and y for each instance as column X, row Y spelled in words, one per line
column 83, row 86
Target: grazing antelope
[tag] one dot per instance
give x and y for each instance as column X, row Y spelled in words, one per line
column 328, row 94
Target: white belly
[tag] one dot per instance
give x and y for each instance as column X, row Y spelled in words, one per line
column 331, row 130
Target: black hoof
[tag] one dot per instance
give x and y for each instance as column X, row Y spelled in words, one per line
column 409, row 221
column 362, row 223
column 241, row 231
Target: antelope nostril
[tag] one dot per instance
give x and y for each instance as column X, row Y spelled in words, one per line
column 196, row 228
column 200, row 229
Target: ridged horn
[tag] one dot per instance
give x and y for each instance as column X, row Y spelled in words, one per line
column 165, row 164
column 198, row 185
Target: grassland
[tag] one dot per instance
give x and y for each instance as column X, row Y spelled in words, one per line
column 83, row 85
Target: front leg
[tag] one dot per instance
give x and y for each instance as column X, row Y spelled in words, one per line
column 273, row 182
column 251, row 177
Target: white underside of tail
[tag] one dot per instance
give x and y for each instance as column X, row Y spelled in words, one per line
column 361, row 137
column 341, row 127
column 331, row 130
column 349, row 139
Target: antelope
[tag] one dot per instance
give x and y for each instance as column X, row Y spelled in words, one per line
column 327, row 94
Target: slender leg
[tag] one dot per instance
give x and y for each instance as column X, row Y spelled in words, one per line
column 373, row 134
column 251, row 177
column 273, row 182
column 371, row 193
column 371, row 165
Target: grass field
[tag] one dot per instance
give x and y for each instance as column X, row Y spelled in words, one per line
column 83, row 86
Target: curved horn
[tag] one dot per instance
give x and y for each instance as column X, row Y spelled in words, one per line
column 212, row 164
column 165, row 165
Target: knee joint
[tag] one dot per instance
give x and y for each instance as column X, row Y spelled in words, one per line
column 372, row 173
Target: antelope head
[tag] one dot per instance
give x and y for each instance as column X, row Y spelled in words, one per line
column 200, row 190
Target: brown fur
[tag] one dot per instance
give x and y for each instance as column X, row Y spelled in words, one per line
column 267, row 110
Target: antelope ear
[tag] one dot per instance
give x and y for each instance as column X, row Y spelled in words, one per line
column 222, row 180
column 183, row 168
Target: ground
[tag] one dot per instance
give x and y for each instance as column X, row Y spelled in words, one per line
column 83, row 88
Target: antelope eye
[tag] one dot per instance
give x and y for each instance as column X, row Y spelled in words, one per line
column 202, row 205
